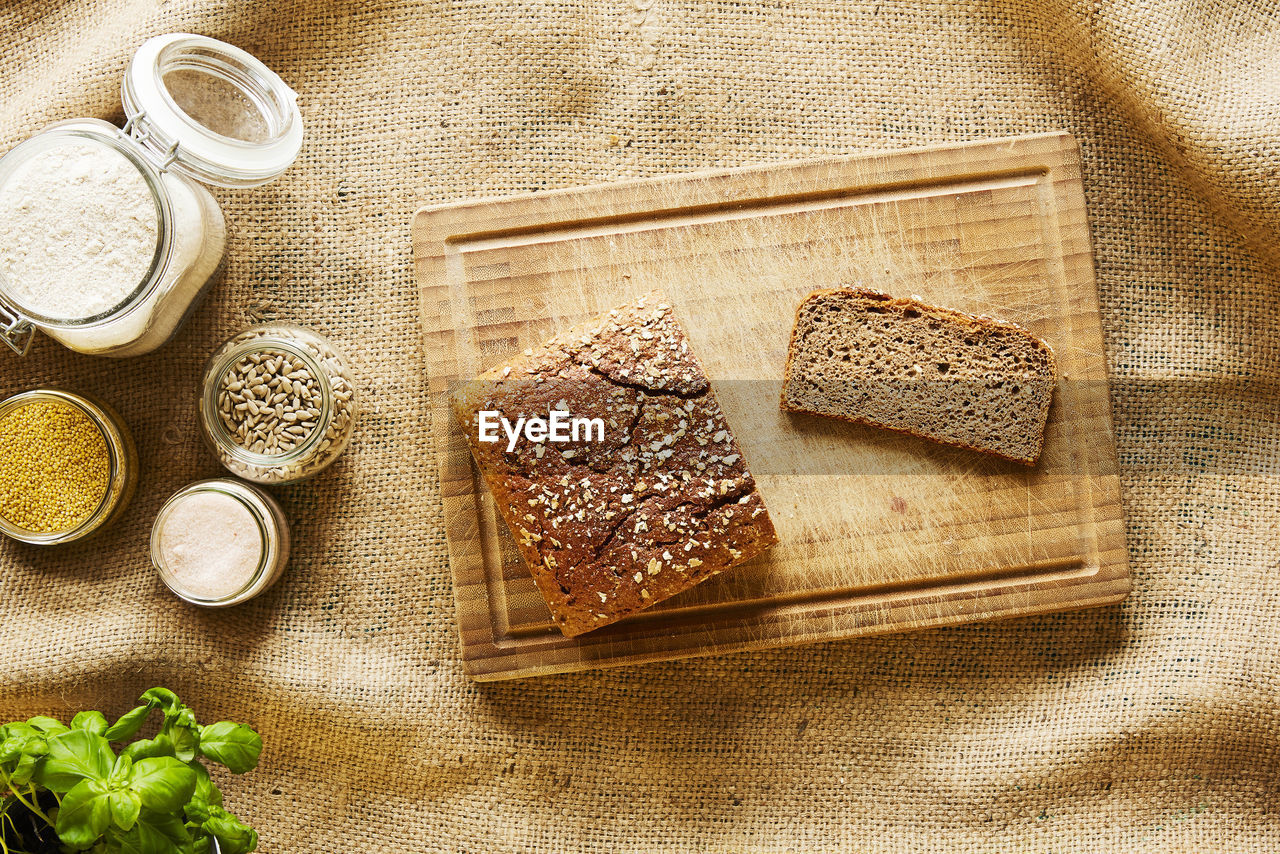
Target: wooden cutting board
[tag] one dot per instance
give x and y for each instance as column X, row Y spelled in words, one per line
column 879, row 532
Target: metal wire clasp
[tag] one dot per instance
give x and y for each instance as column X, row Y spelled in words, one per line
column 16, row 331
column 141, row 134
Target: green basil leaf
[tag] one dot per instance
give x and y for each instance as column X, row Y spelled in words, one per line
column 161, row 698
column 145, row 838
column 37, row 745
column 233, row 837
column 163, row 783
column 170, row 826
column 90, row 721
column 18, row 739
column 234, row 745
column 185, row 742
column 147, row 748
column 128, row 725
column 120, row 771
column 75, row 755
column 196, row 810
column 203, row 844
column 125, row 806
column 205, row 788
column 47, row 725
column 204, row 784
column 84, row 814
column 25, row 770
column 16, row 748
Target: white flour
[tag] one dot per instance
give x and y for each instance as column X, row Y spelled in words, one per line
column 78, row 230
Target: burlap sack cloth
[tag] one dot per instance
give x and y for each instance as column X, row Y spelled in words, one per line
column 1149, row 727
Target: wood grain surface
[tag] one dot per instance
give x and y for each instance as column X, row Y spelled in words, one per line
column 879, row 532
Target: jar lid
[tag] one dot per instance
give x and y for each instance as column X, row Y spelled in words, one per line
column 210, row 110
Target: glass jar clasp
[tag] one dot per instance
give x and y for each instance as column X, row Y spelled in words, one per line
column 139, row 131
column 16, row 331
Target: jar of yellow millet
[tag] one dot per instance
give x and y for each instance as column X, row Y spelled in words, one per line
column 68, row 466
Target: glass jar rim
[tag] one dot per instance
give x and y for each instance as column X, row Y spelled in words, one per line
column 114, row 139
column 265, row 343
column 248, row 498
column 107, row 427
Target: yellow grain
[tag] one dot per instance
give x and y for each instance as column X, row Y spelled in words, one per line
column 54, row 467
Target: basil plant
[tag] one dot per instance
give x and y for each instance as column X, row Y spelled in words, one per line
column 64, row 789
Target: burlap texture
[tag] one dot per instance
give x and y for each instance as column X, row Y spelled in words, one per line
column 1152, row 726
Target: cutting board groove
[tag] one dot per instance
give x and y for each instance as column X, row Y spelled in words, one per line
column 880, row 532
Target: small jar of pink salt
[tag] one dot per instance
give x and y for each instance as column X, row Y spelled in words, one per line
column 220, row 542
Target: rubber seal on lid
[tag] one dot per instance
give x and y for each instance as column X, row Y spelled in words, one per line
column 210, row 110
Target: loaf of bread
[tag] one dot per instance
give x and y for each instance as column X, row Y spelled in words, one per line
column 665, row 500
column 904, row 365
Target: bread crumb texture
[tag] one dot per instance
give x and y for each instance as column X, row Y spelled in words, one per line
column 904, row 365
column 664, row 502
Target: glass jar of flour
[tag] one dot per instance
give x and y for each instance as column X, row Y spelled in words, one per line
column 108, row 237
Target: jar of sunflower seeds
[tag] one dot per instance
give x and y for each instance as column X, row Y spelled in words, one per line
column 278, row 403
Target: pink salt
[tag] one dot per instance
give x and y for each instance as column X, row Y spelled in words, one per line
column 210, row 544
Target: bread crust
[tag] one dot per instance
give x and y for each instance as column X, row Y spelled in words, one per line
column 946, row 315
column 608, row 529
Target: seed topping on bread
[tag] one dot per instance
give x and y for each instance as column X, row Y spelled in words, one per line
column 664, row 501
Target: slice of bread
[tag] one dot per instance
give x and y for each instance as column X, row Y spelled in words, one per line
column 933, row 372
